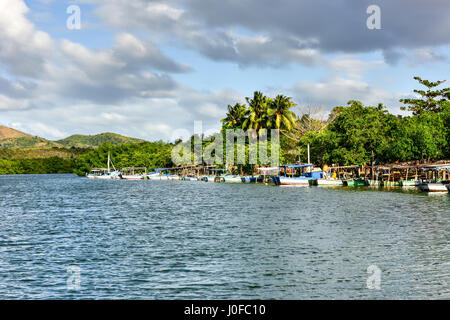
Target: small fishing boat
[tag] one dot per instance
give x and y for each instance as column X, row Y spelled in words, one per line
column 188, row 178
column 357, row 182
column 228, row 178
column 433, row 187
column 158, row 174
column 134, row 173
column 409, row 183
column 387, row 183
column 248, row 179
column 105, row 173
column 306, row 174
column 208, row 178
column 324, row 182
column 436, row 178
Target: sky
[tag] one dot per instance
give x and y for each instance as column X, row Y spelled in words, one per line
column 149, row 68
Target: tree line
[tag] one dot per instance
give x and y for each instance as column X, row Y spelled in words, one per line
column 353, row 134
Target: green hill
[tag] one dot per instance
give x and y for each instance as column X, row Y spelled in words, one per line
column 14, row 139
column 85, row 141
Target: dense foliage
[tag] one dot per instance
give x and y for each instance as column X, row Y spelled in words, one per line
column 36, row 166
column 362, row 134
column 354, row 134
column 146, row 154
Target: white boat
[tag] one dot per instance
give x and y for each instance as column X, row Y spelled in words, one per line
column 326, row 182
column 228, row 178
column 209, row 178
column 306, row 174
column 156, row 174
column 409, row 183
column 134, row 173
column 433, row 187
column 294, row 181
column 105, row 174
column 191, row 179
column 436, row 178
column 132, row 176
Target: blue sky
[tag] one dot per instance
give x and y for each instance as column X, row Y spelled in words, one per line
column 147, row 68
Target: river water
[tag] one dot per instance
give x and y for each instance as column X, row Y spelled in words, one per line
column 66, row 237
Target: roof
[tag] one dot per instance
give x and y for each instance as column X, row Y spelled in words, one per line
column 297, row 166
column 436, row 168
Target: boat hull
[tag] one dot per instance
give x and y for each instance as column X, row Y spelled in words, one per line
column 409, row 183
column 230, row 179
column 132, row 177
column 285, row 181
column 325, row 182
column 356, row 183
column 433, row 187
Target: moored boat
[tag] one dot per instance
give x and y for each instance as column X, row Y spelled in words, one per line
column 433, row 187
column 228, row 178
column 133, row 173
column 436, row 178
column 248, row 179
column 325, row 182
column 306, row 174
column 105, row 173
column 409, row 183
column 357, row 182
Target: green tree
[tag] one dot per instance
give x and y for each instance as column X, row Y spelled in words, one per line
column 235, row 116
column 431, row 100
column 279, row 113
column 257, row 118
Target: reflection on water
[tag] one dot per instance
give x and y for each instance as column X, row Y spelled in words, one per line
column 176, row 239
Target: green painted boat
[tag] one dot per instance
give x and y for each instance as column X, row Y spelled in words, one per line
column 391, row 184
column 356, row 182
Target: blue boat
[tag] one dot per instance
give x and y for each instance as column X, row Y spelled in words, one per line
column 301, row 180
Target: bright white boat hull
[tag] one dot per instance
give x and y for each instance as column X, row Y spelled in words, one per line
column 294, row 182
column 433, row 187
column 409, row 183
column 329, row 182
column 132, row 177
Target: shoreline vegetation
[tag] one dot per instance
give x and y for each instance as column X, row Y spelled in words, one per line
column 349, row 135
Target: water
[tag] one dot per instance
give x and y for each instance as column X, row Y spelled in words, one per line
column 196, row 240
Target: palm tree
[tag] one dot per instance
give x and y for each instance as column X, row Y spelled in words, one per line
column 257, row 118
column 235, row 117
column 280, row 115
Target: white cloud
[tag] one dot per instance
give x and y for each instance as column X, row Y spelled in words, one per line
column 338, row 91
column 350, row 65
column 23, row 49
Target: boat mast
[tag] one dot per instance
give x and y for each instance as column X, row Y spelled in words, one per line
column 109, row 159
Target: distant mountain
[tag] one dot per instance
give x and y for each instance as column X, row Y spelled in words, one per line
column 14, row 139
column 85, row 141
